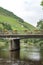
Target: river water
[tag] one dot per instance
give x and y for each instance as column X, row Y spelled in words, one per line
column 30, row 55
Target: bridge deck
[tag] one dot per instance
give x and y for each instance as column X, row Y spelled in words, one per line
column 21, row 36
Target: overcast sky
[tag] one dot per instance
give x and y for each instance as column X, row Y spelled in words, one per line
column 29, row 10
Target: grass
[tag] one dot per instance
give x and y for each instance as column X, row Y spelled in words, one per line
column 13, row 22
column 16, row 25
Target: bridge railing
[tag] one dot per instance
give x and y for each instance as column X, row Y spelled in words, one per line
column 14, row 32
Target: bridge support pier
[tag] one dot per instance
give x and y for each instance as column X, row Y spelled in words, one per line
column 15, row 44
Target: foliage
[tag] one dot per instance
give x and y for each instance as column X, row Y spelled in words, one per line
column 3, row 44
column 40, row 24
column 42, row 3
column 40, row 27
column 5, row 26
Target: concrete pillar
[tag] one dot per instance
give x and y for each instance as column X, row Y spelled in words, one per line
column 15, row 44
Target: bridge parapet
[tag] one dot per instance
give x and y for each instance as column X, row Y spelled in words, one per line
column 14, row 32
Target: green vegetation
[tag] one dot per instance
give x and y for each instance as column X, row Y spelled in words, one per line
column 14, row 21
column 9, row 21
column 39, row 41
column 42, row 3
column 40, row 25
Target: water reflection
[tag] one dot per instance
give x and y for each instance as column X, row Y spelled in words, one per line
column 15, row 55
column 32, row 53
column 24, row 56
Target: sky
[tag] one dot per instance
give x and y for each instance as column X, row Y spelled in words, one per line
column 29, row 10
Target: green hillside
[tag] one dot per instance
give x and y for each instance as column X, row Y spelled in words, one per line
column 10, row 21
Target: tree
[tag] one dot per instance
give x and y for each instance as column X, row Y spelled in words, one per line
column 40, row 25
column 42, row 3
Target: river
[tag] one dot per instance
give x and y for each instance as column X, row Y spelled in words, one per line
column 30, row 55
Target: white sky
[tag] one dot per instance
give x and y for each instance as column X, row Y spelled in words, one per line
column 29, row 10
